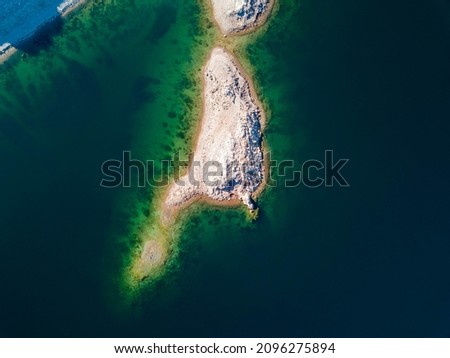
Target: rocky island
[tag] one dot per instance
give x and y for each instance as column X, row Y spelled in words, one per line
column 227, row 164
column 239, row 16
column 227, row 167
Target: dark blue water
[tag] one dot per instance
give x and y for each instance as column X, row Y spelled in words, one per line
column 19, row 18
column 369, row 80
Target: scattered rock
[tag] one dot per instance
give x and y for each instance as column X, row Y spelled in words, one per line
column 237, row 16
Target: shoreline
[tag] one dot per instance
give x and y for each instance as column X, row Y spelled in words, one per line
column 7, row 54
column 72, row 8
column 10, row 52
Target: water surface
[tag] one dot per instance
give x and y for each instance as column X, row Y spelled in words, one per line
column 369, row 260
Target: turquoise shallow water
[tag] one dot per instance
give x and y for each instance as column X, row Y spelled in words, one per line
column 369, row 260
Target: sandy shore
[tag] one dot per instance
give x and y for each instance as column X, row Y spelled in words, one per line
column 238, row 17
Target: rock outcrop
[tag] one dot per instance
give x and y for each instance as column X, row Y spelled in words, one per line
column 237, row 16
column 228, row 160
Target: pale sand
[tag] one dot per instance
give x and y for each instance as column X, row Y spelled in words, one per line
column 236, row 17
column 153, row 256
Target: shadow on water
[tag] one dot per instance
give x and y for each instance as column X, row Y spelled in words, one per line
column 42, row 38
